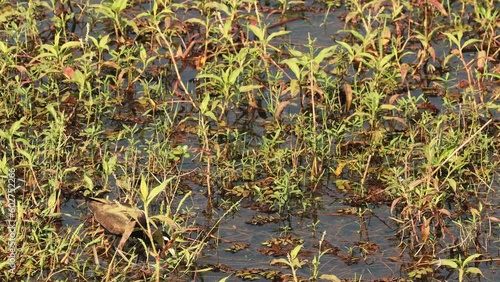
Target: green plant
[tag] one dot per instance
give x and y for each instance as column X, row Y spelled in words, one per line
column 292, row 261
column 461, row 265
column 316, row 263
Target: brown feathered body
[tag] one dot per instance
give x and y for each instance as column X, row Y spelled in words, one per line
column 118, row 219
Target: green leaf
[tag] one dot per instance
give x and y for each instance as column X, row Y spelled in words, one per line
column 70, row 169
column 469, row 42
column 51, row 203
column 211, row 76
column 225, row 278
column 4, row 168
column 210, row 114
column 101, row 9
column 70, row 44
column 109, row 164
column 248, row 88
column 296, row 53
column 385, row 60
column 388, row 107
column 143, row 188
column 25, row 154
column 103, row 42
column 295, row 251
column 204, row 103
column 324, row 53
column 471, row 258
column 234, row 75
column 474, row 270
column 329, row 277
column 347, row 46
column 181, row 202
column 52, row 111
column 196, row 21
column 452, row 183
column 119, row 5
column 294, row 67
column 447, row 262
column 88, row 181
column 452, row 38
column 3, row 48
column 281, row 260
column 257, row 31
column 277, row 33
column 157, row 190
column 218, row 7
column 79, row 78
column 133, row 25
column 15, row 126
column 142, row 53
column 354, row 33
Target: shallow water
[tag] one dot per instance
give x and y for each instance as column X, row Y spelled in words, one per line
column 345, row 232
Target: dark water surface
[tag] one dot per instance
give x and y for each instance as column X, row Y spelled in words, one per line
column 344, row 232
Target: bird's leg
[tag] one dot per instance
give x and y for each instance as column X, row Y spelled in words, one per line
column 128, row 230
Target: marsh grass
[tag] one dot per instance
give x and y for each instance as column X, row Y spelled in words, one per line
column 401, row 108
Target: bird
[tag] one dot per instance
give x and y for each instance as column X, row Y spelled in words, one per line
column 124, row 220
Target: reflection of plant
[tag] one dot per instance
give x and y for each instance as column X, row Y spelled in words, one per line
column 460, row 265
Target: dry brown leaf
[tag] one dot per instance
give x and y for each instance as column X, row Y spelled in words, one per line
column 439, row 6
column 348, row 96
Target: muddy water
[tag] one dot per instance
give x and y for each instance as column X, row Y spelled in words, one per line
column 367, row 246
